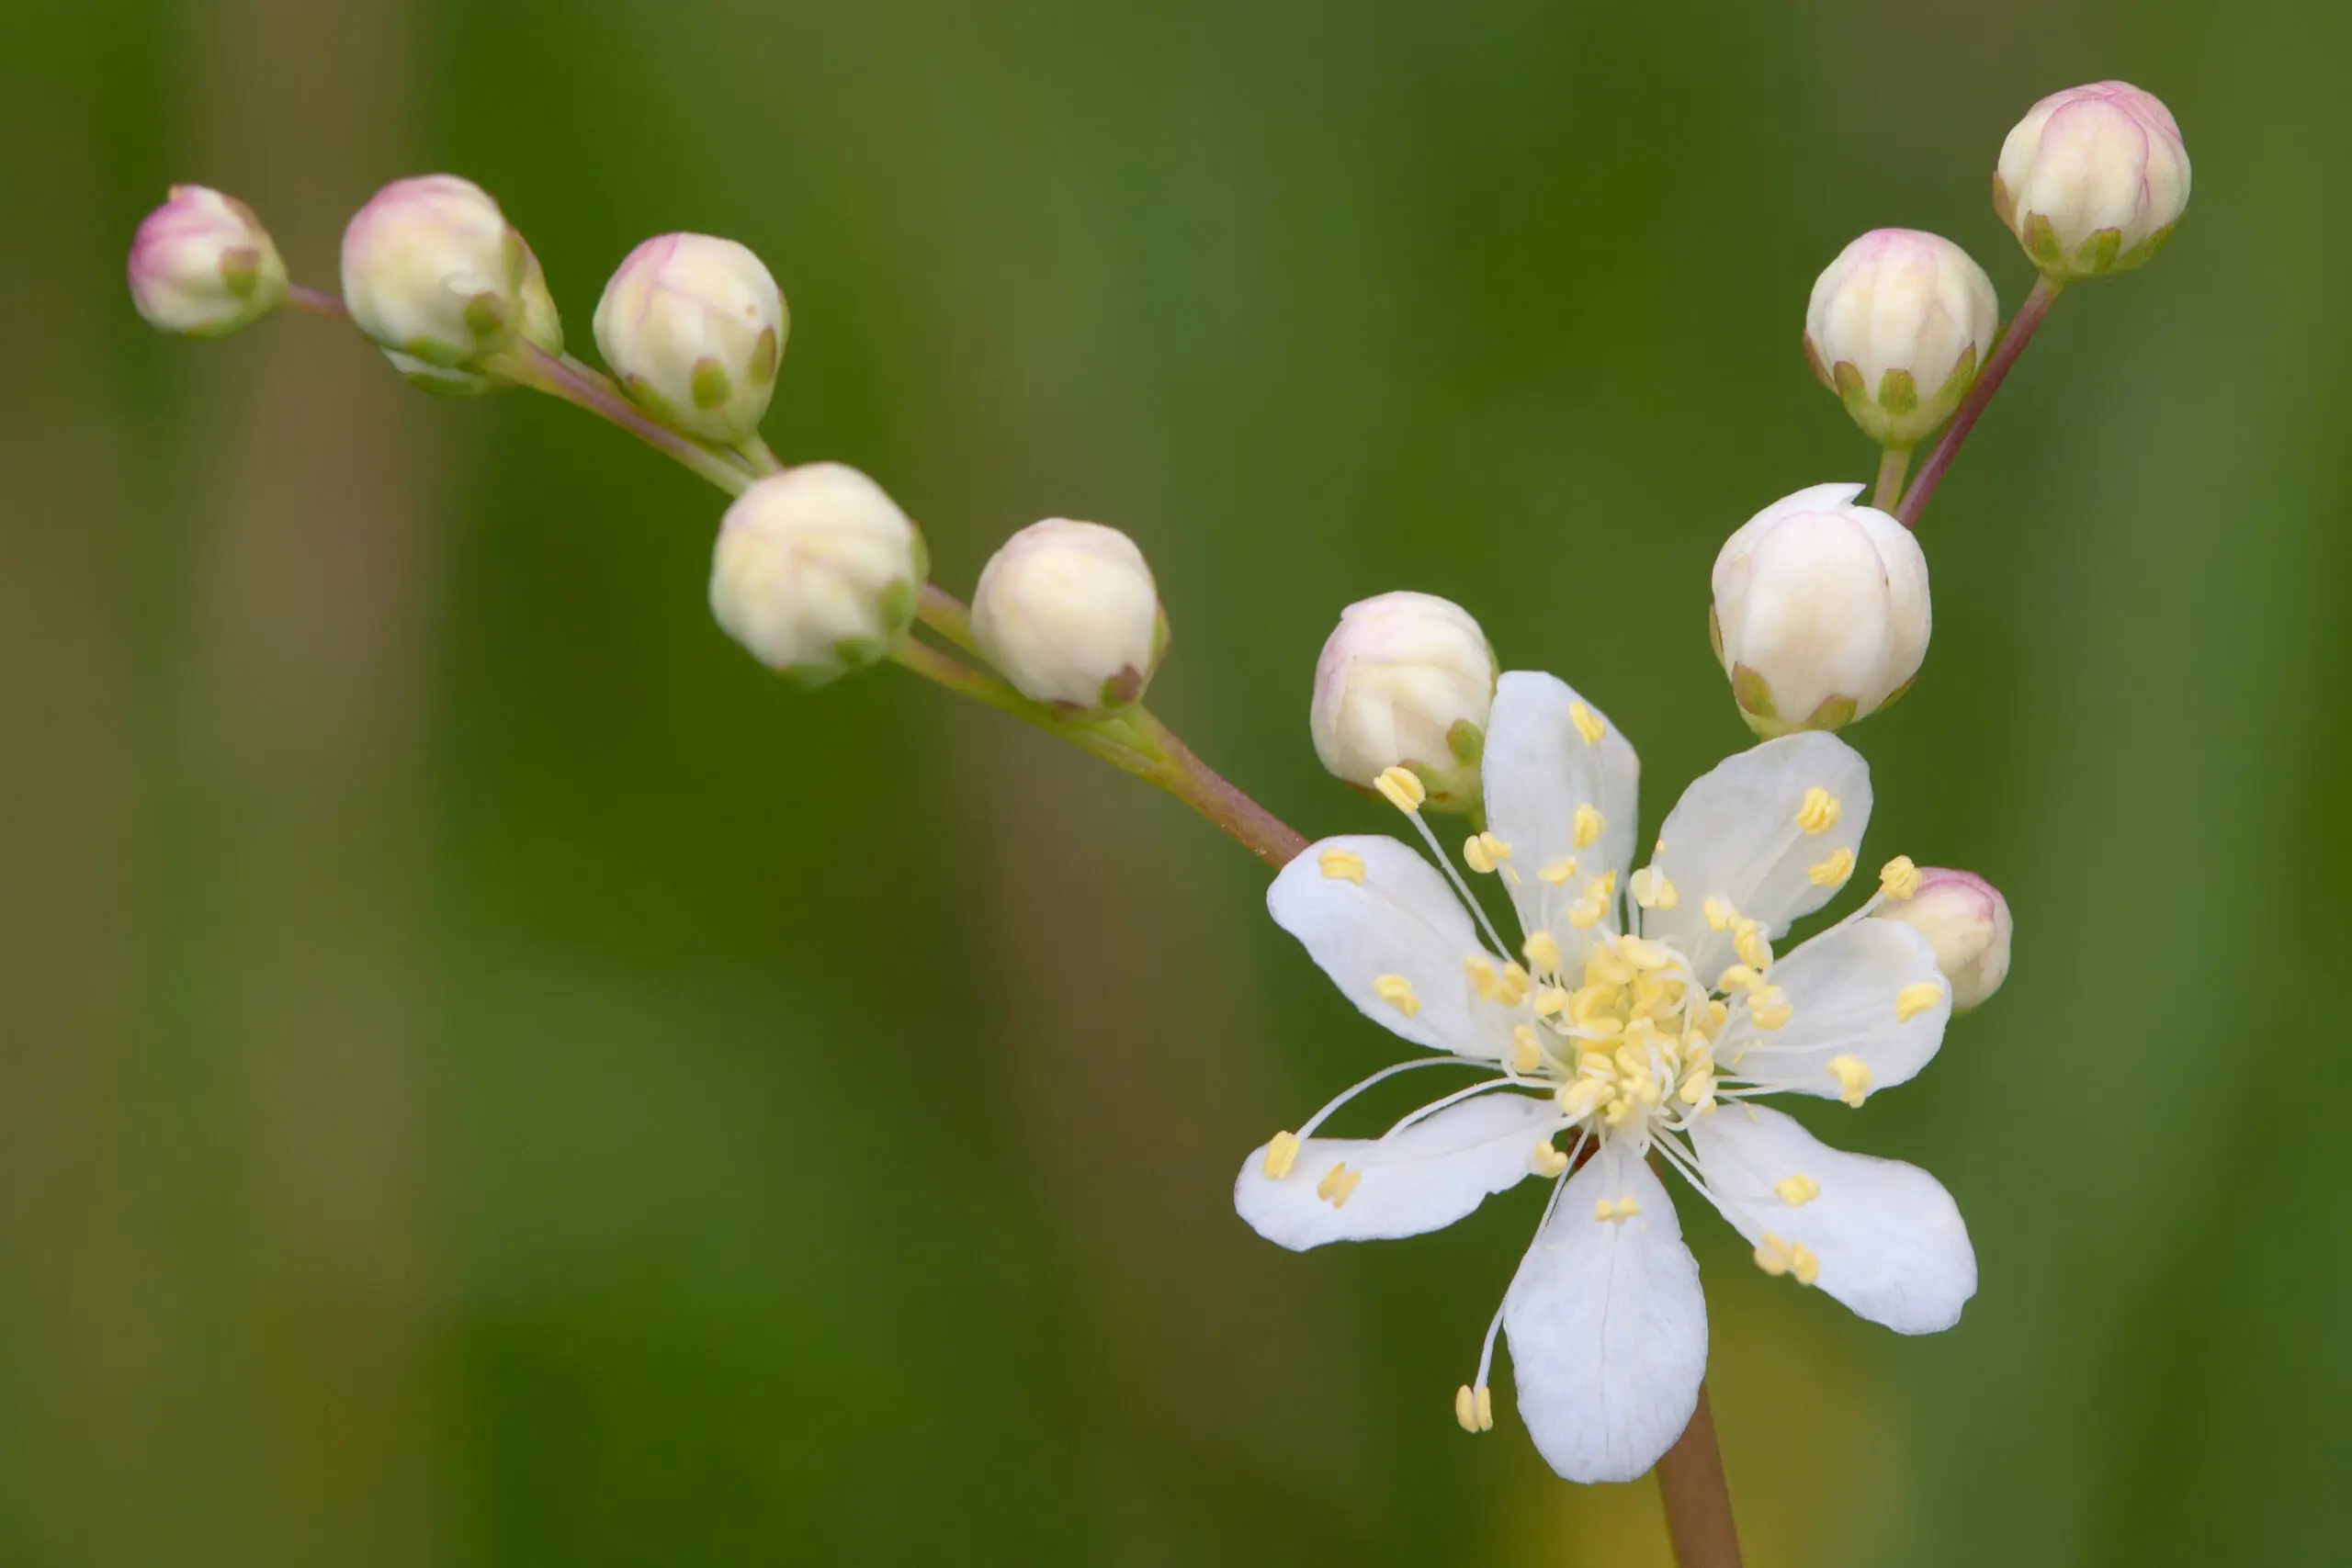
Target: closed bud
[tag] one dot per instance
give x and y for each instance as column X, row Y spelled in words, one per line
column 1405, row 680
column 1896, row 327
column 693, row 327
column 434, row 272
column 1069, row 611
column 816, row 571
column 2092, row 180
column 1966, row 920
column 1821, row 613
column 203, row 265
column 541, row 326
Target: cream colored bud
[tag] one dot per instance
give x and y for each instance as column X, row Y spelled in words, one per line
column 1821, row 613
column 1069, row 611
column 693, row 328
column 1966, row 920
column 1896, row 327
column 816, row 572
column 541, row 326
column 1405, row 680
column 432, row 270
column 202, row 264
column 2092, row 180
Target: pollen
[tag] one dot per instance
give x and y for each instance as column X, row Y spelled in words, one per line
column 1484, row 852
column 1282, row 1153
column 1587, row 723
column 1912, row 1000
column 1475, row 1408
column 1797, row 1191
column 1397, row 992
column 1550, row 1000
column 1526, row 1053
column 1585, row 913
column 1623, row 1209
column 1768, row 1008
column 1652, row 890
column 1644, row 955
column 1547, row 1160
column 1338, row 1184
column 1899, row 879
column 1853, row 1079
column 1588, row 826
column 1820, row 811
column 1543, row 951
column 1403, row 789
column 1341, row 865
column 1748, row 941
column 1479, row 970
column 1558, row 871
column 1719, row 913
column 1738, row 977
column 1833, row 872
column 1514, row 985
column 1777, row 1256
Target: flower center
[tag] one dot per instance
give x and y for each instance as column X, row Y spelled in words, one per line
column 1629, row 1040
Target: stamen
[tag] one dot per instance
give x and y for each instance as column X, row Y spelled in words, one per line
column 1342, row 865
column 1820, row 811
column 1797, row 1191
column 1912, row 1000
column 1281, row 1155
column 1547, row 1160
column 1623, row 1209
column 1719, row 913
column 1550, row 1000
column 1585, row 913
column 1738, row 977
column 1515, row 985
column 1403, row 789
column 1748, row 941
column 1480, row 969
column 1899, row 879
column 1558, row 871
column 1833, row 871
column 1526, row 1053
column 1338, row 1184
column 1397, row 992
column 1475, row 1408
column 1768, row 1008
column 1587, row 723
column 1652, row 890
column 1642, row 954
column 1588, row 826
column 1543, row 951
column 1777, row 1256
column 1853, row 1077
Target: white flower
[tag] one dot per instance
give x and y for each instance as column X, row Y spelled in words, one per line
column 2092, row 180
column 1641, row 1042
column 432, row 270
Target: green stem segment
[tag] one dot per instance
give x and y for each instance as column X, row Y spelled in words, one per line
column 1893, row 462
column 2014, row 339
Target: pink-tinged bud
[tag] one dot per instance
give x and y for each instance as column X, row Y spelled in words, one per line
column 1966, row 920
column 1405, row 680
column 1896, row 327
column 693, row 327
column 432, row 271
column 1069, row 613
column 1821, row 613
column 2092, row 180
column 201, row 264
column 541, row 326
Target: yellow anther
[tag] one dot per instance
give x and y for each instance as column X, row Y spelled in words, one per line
column 1338, row 1184
column 1587, row 723
column 1804, row 1264
column 1738, row 977
column 1594, row 1062
column 1768, row 1008
column 1603, row 1027
column 1397, row 992
column 1604, row 886
column 1484, row 851
column 1548, row 1160
column 1642, row 955
column 1833, row 872
column 1912, row 1000
column 1578, row 1098
column 1714, row 1017
column 1853, row 1079
column 1526, row 1053
column 1588, row 826
column 1796, row 1192
column 1899, row 879
column 1479, row 970
column 1541, row 952
column 1698, row 1088
column 1551, row 1000
column 1341, row 865
column 1475, row 1408
column 1514, row 985
column 1748, row 941
column 1586, row 914
column 1602, row 968
column 1282, row 1153
column 1777, row 1256
column 1719, row 913
column 1558, row 871
column 1403, row 789
column 1652, row 890
column 1820, row 811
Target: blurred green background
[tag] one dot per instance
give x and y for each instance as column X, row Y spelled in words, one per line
column 489, row 1078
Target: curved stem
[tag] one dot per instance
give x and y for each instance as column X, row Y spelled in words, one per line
column 530, row 365
column 946, row 613
column 1971, row 407
column 1697, row 1498
column 1893, row 462
column 1206, row 791
column 315, row 302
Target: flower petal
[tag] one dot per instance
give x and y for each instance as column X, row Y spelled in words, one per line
column 1420, row 1178
column 1889, row 1239
column 1608, row 1329
column 1540, row 768
column 1847, row 991
column 1735, row 836
column 1368, row 909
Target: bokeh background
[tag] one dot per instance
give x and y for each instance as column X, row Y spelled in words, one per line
column 489, row 1078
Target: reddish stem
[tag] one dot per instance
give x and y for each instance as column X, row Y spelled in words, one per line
column 1697, row 1497
column 1971, row 407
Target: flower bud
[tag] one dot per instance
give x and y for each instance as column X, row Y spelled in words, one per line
column 433, row 271
column 1821, row 612
column 1896, row 327
column 2092, row 180
column 1405, row 680
column 1069, row 611
column 541, row 326
column 816, row 571
column 1966, row 920
column 203, row 265
column 693, row 327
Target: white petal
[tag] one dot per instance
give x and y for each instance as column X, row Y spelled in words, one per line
column 1404, row 918
column 1735, row 836
column 1813, row 497
column 1889, row 1237
column 1420, row 1179
column 1539, row 769
column 1608, row 1329
column 1841, row 989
